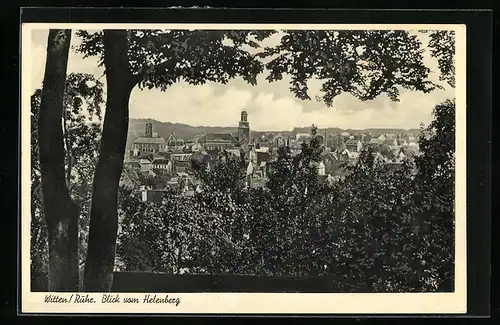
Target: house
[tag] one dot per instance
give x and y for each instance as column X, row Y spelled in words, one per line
column 281, row 141
column 163, row 164
column 174, row 142
column 258, row 154
column 402, row 142
column 146, row 163
column 144, row 145
column 269, row 137
column 321, row 169
column 390, row 136
column 332, row 162
column 343, row 155
column 183, row 176
column 391, row 143
column 374, row 144
column 150, row 195
column 262, row 168
column 250, row 168
column 352, row 156
column 413, row 144
column 411, row 138
column 181, row 156
column 181, row 166
column 338, row 144
column 378, row 158
column 236, row 153
column 354, row 145
column 173, row 183
column 412, row 147
column 196, row 147
column 219, row 141
column 148, row 143
column 382, row 137
column 400, row 156
column 394, row 165
column 132, row 164
column 302, row 137
column 262, row 156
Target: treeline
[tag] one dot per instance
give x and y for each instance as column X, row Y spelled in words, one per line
column 375, row 230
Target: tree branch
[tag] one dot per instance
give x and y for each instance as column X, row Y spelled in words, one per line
column 145, row 70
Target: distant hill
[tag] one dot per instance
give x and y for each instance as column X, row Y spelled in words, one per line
column 137, row 128
column 188, row 132
column 372, row 131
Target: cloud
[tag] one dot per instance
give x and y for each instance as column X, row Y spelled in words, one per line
column 196, row 105
column 271, row 106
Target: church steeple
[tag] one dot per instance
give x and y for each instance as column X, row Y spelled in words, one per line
column 149, row 129
column 244, row 128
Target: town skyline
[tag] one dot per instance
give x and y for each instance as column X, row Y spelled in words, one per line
column 235, row 126
column 271, row 106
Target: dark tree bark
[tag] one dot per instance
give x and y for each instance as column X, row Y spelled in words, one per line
column 98, row 274
column 61, row 213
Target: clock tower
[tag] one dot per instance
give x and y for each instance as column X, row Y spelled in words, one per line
column 244, row 129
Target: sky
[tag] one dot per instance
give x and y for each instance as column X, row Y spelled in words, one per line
column 270, row 106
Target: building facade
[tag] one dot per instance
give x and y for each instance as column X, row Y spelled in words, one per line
column 148, row 143
column 244, row 129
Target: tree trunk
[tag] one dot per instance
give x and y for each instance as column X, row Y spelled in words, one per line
column 98, row 274
column 61, row 213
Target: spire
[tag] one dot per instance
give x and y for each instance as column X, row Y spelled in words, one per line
column 244, row 116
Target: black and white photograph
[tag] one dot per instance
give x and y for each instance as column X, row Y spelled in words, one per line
column 169, row 161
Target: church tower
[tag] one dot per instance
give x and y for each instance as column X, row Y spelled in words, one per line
column 244, row 128
column 149, row 129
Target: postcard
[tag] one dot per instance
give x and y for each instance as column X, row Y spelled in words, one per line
column 243, row 169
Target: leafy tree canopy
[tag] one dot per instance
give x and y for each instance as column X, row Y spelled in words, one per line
column 362, row 63
column 159, row 58
column 442, row 46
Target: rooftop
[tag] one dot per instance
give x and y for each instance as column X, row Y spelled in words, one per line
column 160, row 161
column 351, row 142
column 389, row 141
column 217, row 137
column 149, row 140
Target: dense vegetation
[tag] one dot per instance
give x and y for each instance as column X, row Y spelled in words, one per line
column 297, row 219
column 376, row 230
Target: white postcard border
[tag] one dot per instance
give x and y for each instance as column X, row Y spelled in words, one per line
column 249, row 303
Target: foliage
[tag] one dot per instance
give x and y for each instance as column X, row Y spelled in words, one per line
column 437, row 143
column 442, row 46
column 226, row 175
column 436, row 180
column 160, row 58
column 378, row 229
column 180, row 234
column 82, row 100
column 362, row 63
